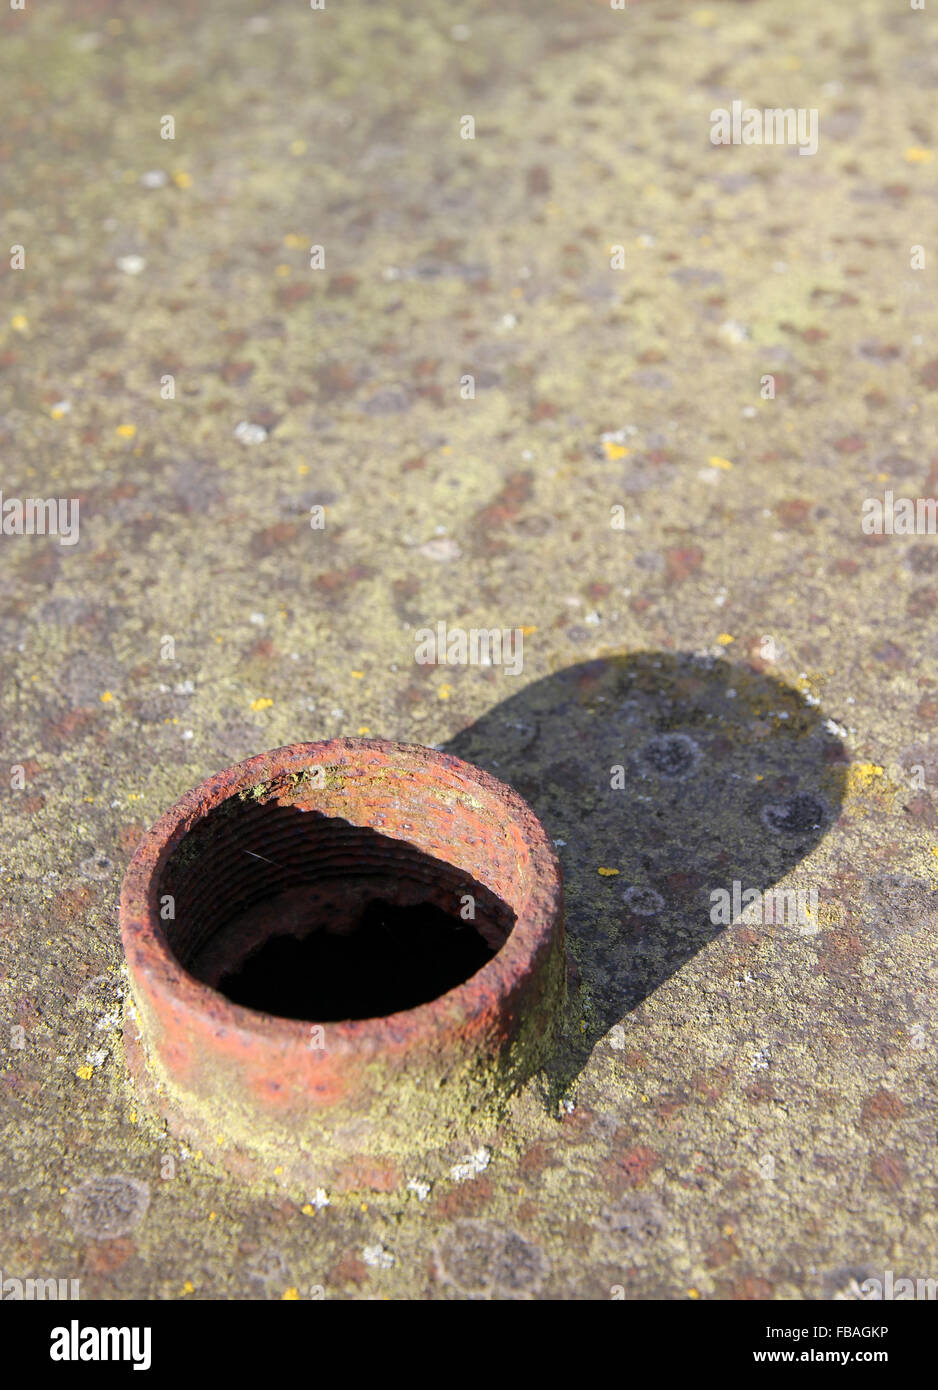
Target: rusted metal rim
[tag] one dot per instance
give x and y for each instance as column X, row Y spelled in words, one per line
column 310, row 1097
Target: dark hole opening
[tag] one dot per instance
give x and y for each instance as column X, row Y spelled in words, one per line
column 311, row 917
column 394, row 958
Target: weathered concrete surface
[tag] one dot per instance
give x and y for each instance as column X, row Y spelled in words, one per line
column 736, row 1113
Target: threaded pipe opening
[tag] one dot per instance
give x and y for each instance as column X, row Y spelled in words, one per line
column 306, row 915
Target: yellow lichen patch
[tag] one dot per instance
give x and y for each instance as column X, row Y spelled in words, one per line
column 444, row 691
column 126, row 431
column 181, row 179
column 282, row 271
column 308, row 1209
column 864, row 777
column 915, row 154
column 526, row 631
column 106, row 697
column 359, row 675
column 725, row 638
column 867, row 783
column 297, row 147
column 290, row 1295
column 85, row 1072
column 364, row 731
column 607, row 873
column 292, row 240
column 613, row 450
column 19, row 323
column 262, row 702
column 693, row 1293
column 809, row 684
column 715, row 461
column 188, row 1286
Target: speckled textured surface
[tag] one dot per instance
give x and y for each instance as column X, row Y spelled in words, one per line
column 745, row 1111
